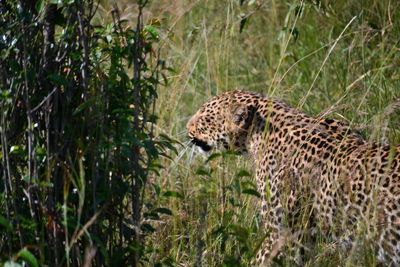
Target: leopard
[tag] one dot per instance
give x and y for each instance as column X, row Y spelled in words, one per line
column 309, row 167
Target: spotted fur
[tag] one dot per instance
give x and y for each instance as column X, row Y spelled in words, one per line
column 301, row 161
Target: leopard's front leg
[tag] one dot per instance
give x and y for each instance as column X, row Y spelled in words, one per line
column 272, row 215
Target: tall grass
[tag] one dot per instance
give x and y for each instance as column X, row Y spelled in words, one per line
column 337, row 58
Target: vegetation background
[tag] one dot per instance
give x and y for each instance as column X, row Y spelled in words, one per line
column 336, row 58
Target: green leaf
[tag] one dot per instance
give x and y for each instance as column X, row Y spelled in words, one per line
column 295, row 33
column 242, row 173
column 5, row 223
column 14, row 149
column 213, row 156
column 169, row 262
column 12, row 264
column 152, row 31
column 219, row 230
column 46, row 184
column 57, row 79
column 151, row 150
column 240, row 232
column 203, row 172
column 147, row 228
column 172, row 194
column 157, row 188
column 250, row 191
column 28, row 257
column 243, row 21
column 154, row 170
column 137, row 142
column 151, row 215
column 84, row 105
column 230, row 153
column 247, row 184
column 40, row 151
column 39, row 6
column 163, row 211
column 59, row 19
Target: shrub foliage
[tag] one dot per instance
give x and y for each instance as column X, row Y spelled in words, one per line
column 77, row 144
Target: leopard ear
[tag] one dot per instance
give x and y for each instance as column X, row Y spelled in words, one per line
column 239, row 114
column 242, row 115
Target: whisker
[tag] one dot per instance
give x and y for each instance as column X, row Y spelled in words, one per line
column 180, row 154
column 182, row 133
column 191, row 154
column 194, row 151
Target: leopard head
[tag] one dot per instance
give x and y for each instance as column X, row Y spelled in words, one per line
column 224, row 122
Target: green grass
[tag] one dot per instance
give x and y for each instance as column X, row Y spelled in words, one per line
column 339, row 57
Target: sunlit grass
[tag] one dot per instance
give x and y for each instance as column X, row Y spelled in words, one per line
column 337, row 56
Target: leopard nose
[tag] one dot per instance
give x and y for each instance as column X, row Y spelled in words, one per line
column 191, row 125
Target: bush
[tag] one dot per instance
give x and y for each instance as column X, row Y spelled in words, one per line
column 77, row 140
